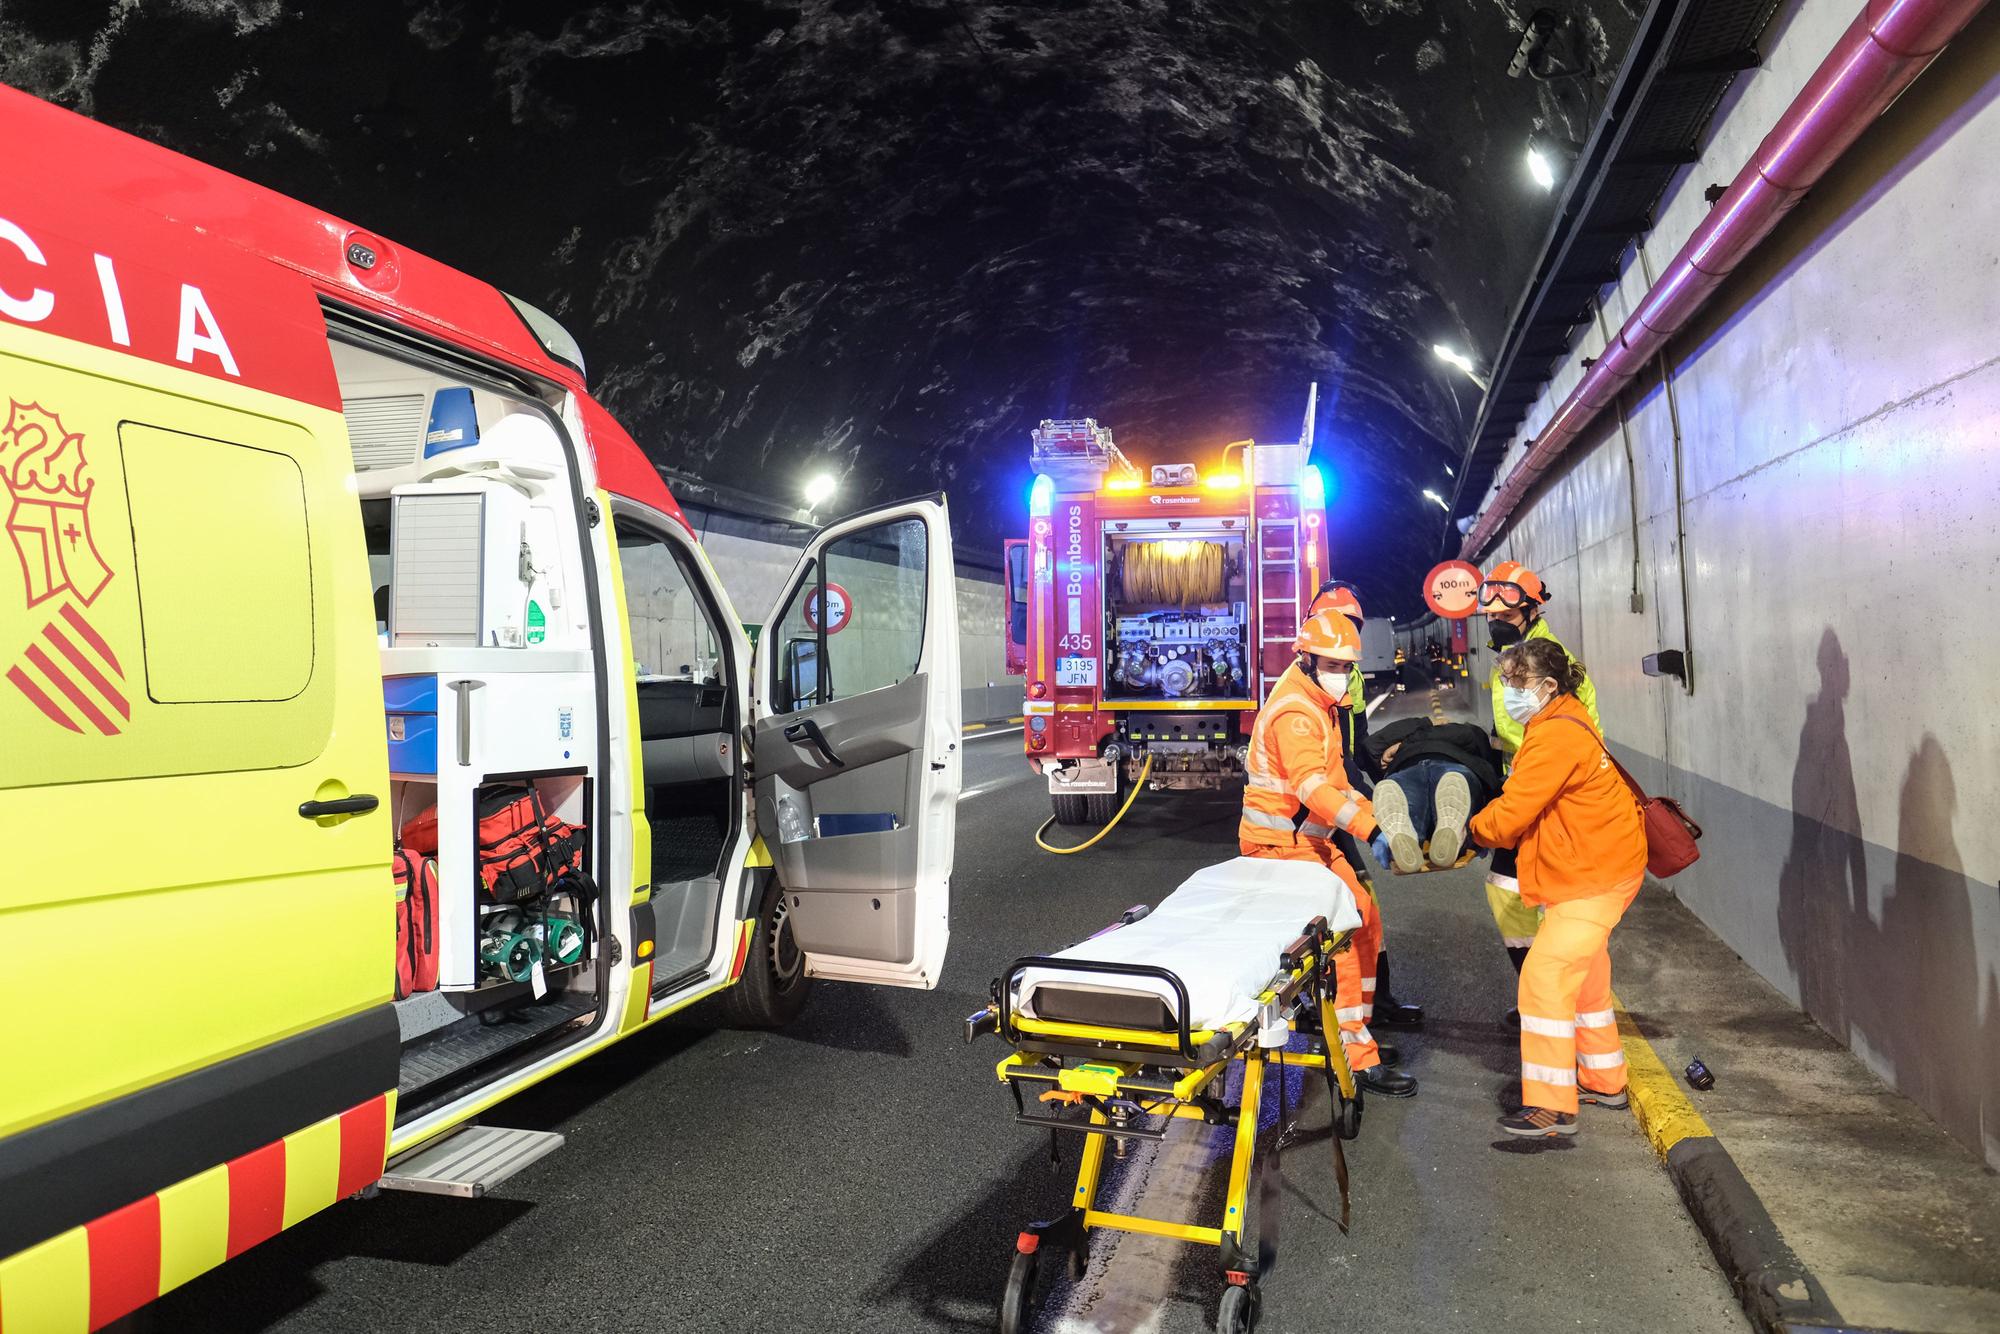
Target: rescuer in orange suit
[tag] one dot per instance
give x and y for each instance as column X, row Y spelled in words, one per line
column 1296, row 760
column 1341, row 596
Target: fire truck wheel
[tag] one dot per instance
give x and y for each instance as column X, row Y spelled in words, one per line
column 1071, row 808
column 1100, row 808
column 774, row 985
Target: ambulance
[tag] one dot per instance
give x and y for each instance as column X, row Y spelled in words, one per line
column 319, row 558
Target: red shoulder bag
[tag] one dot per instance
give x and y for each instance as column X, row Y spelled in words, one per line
column 1670, row 835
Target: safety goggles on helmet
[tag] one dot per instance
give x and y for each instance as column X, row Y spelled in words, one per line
column 1507, row 594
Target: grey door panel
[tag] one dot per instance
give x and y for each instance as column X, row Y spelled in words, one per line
column 862, row 730
column 836, row 879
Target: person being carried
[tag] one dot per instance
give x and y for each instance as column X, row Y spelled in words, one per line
column 1430, row 779
column 1581, row 847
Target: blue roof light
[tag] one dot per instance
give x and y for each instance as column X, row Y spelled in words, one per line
column 1041, row 495
column 1312, row 487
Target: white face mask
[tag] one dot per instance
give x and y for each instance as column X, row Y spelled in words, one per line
column 1521, row 702
column 1334, row 686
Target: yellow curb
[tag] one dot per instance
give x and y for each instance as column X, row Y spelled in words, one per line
column 1017, row 720
column 1662, row 1110
column 975, row 727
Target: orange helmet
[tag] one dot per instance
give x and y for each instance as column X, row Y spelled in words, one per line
column 1516, row 581
column 1329, row 635
column 1337, row 595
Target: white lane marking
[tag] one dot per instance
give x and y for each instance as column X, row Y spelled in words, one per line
column 984, row 735
column 1375, row 704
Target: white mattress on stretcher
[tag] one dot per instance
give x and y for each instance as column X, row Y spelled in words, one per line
column 1221, row 933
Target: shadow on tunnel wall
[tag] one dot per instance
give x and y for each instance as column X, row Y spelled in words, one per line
column 1901, row 985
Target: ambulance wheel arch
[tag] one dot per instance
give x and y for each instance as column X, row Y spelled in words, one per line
column 856, row 746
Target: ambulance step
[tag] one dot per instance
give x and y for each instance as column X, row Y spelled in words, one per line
column 470, row 1162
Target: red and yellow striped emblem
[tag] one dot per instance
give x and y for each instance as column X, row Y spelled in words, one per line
column 89, row 1276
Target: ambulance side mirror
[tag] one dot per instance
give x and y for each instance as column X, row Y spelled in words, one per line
column 800, row 673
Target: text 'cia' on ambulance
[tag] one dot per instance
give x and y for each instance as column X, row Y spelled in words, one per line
column 360, row 685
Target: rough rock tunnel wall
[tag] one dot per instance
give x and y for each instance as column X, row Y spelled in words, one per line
column 1838, row 408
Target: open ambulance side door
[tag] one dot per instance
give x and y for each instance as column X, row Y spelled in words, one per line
column 855, row 747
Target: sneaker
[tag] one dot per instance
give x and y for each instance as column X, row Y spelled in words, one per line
column 1392, row 812
column 1453, row 803
column 1620, row 1099
column 1538, row 1123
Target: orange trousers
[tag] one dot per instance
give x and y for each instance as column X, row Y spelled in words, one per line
column 1354, row 967
column 1569, row 1033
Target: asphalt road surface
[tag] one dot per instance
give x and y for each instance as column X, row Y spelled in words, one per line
column 861, row 1171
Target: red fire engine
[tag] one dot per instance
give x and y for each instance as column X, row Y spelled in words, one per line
column 1151, row 610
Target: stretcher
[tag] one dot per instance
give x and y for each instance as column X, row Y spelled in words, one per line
column 1117, row 1037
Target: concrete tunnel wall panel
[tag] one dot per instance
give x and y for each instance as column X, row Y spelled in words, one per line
column 1840, row 408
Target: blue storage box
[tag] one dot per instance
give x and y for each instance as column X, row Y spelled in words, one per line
column 411, row 705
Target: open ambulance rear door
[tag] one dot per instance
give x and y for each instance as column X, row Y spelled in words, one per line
column 855, row 747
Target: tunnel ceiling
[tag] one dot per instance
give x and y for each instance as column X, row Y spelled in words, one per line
column 887, row 238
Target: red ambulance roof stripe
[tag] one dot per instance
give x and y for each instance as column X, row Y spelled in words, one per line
column 163, row 218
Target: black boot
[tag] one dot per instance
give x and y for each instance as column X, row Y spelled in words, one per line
column 1388, row 1011
column 1389, row 1083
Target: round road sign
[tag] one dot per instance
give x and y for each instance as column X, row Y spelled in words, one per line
column 1452, row 589
column 840, row 609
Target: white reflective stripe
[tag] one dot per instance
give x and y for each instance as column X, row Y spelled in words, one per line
column 1597, row 1019
column 1267, row 820
column 1506, row 882
column 1256, row 777
column 1548, row 1028
column 1368, row 984
column 1518, row 942
column 1314, row 829
column 1356, row 1012
column 1312, row 784
column 1356, row 1036
column 1546, row 1074
column 1591, row 1060
column 1345, row 815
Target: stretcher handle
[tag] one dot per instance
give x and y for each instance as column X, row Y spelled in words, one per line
column 1311, row 939
column 985, row 1021
column 1086, row 966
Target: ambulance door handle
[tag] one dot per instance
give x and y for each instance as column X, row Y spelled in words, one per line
column 464, row 689
column 357, row 805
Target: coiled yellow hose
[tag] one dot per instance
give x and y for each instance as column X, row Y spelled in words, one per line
column 1137, row 787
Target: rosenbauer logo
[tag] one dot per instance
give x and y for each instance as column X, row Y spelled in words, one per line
column 67, row 671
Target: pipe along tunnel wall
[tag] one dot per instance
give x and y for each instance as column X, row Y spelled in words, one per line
column 1838, row 413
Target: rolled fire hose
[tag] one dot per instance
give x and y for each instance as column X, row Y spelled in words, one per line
column 1137, row 787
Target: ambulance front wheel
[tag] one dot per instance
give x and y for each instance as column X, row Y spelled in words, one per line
column 1017, row 1303
column 1238, row 1314
column 774, row 985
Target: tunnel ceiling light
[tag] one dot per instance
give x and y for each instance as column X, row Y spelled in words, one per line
column 1451, row 356
column 820, row 490
column 1441, row 503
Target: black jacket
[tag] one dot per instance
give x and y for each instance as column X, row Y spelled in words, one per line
column 1420, row 739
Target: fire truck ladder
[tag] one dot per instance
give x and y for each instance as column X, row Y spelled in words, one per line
column 1277, row 598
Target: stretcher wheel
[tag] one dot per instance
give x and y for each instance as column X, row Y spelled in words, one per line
column 1019, row 1298
column 1238, row 1314
column 1347, row 1121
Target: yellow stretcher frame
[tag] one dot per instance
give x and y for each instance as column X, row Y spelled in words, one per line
column 1167, row 1074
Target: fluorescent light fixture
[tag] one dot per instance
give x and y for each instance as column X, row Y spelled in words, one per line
column 1539, row 167
column 820, row 490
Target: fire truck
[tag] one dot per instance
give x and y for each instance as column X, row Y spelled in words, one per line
column 1151, row 609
